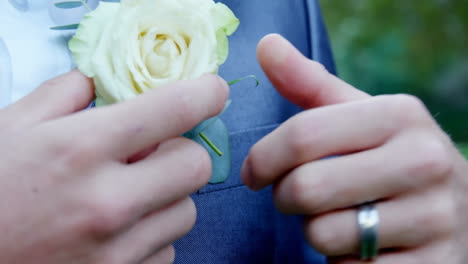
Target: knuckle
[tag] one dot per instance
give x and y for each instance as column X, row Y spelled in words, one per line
column 74, row 155
column 440, row 220
column 300, row 138
column 106, row 216
column 407, row 109
column 83, row 154
column 321, row 237
column 408, row 103
column 433, row 160
column 306, row 192
column 298, row 189
column 318, row 69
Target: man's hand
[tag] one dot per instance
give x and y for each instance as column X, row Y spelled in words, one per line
column 74, row 187
column 386, row 149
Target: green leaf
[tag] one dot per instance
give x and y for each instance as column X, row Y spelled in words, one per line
column 225, row 23
column 222, row 50
column 65, row 27
column 257, row 82
column 69, row 4
column 224, row 19
column 218, row 135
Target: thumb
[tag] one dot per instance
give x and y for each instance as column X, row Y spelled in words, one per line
column 302, row 81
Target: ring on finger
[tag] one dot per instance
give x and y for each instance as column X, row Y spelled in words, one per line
column 368, row 220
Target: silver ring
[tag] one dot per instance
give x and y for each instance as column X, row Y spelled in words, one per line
column 368, row 219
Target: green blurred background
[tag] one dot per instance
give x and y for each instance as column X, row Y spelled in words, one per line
column 401, row 46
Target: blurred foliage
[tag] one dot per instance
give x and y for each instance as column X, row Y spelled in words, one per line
column 400, row 46
column 464, row 149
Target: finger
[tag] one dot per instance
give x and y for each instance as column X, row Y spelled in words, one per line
column 389, row 258
column 331, row 130
column 130, row 127
column 57, row 97
column 143, row 154
column 409, row 162
column 433, row 254
column 152, row 233
column 178, row 167
column 304, row 82
column 403, row 224
column 164, row 256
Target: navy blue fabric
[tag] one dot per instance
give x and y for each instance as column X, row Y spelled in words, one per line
column 234, row 224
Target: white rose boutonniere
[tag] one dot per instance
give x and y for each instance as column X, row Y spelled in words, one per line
column 137, row 45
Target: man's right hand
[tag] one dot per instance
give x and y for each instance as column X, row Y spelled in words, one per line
column 71, row 189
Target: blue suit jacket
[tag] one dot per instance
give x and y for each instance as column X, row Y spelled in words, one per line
column 234, row 224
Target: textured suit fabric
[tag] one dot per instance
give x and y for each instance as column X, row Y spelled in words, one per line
column 234, row 224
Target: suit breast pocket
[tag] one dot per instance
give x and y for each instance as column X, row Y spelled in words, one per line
column 241, row 142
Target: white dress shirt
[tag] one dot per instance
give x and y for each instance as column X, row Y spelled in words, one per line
column 30, row 52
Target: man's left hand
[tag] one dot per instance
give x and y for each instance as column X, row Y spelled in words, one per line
column 348, row 148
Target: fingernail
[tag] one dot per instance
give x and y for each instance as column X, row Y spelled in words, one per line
column 276, row 48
